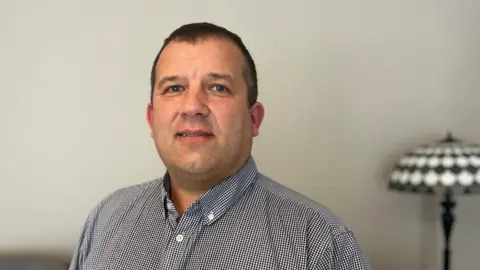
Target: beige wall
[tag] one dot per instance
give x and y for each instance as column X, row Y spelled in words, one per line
column 348, row 86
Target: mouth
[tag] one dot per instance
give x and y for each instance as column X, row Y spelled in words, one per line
column 194, row 136
column 197, row 133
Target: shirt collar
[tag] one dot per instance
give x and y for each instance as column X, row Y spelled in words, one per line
column 216, row 201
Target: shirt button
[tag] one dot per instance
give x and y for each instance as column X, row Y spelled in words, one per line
column 169, row 206
column 211, row 216
column 179, row 238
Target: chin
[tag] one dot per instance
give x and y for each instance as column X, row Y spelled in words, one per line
column 196, row 164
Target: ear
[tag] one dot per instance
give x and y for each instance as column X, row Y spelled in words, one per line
column 257, row 112
column 149, row 117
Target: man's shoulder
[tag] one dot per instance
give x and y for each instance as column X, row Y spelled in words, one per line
column 329, row 240
column 288, row 200
column 122, row 197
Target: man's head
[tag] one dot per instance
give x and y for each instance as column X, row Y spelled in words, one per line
column 203, row 111
column 196, row 32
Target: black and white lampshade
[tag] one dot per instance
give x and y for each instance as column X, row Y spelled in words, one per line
column 450, row 163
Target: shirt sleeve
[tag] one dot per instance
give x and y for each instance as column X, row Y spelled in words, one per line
column 83, row 244
column 344, row 253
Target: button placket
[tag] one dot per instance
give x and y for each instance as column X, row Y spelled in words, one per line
column 181, row 237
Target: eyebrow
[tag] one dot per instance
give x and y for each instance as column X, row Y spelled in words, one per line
column 219, row 76
column 166, row 79
column 211, row 75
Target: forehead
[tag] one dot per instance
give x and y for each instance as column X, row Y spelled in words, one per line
column 200, row 57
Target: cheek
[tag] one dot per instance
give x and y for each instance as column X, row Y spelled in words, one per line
column 162, row 119
column 231, row 119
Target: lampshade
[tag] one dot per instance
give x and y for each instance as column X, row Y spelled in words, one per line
column 449, row 163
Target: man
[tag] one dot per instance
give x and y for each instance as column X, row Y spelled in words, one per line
column 212, row 209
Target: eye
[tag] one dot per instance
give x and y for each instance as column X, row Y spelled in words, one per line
column 174, row 88
column 219, row 88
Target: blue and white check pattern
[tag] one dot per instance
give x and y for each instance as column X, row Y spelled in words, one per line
column 247, row 222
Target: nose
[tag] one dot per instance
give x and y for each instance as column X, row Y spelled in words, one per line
column 195, row 103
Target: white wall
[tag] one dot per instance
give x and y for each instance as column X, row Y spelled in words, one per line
column 348, row 87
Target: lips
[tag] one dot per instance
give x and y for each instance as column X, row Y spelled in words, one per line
column 194, row 137
column 194, row 133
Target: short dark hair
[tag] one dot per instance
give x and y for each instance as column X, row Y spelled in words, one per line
column 194, row 32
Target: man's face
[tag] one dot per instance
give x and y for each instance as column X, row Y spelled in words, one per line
column 200, row 119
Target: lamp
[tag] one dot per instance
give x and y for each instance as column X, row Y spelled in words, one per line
column 449, row 167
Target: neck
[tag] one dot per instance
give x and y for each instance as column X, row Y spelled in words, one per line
column 186, row 188
column 182, row 198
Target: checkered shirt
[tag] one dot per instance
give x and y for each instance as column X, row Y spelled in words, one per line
column 248, row 222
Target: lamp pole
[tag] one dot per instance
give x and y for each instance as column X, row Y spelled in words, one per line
column 448, row 220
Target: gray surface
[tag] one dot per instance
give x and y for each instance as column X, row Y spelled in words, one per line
column 31, row 264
